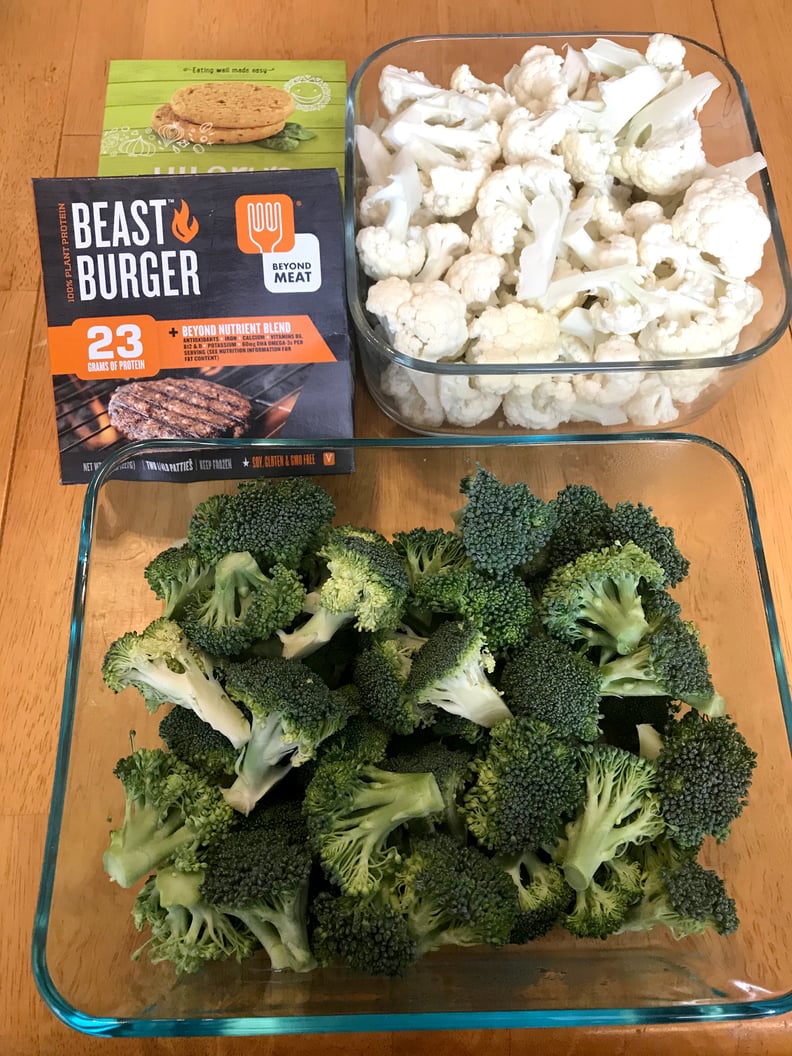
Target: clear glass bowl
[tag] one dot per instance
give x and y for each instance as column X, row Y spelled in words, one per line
column 84, row 935
column 729, row 132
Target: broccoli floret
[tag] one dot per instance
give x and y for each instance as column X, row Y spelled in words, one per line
column 195, row 742
column 526, row 786
column 501, row 607
column 450, row 672
column 543, row 895
column 428, row 552
column 454, row 728
column 596, row 598
column 502, row 526
column 659, row 607
column 175, row 574
column 670, row 662
column 278, row 521
column 366, row 582
column 380, row 674
column 681, row 895
column 292, row 712
column 185, row 930
column 620, row 718
column 352, row 809
column 166, row 668
column 451, row 770
column 599, row 910
column 171, row 815
column 704, row 771
column 620, row 808
column 454, row 895
column 360, row 741
column 545, row 679
column 366, row 934
column 260, row 876
column 582, row 524
column 636, row 522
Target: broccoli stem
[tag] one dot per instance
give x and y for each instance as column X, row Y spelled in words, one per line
column 313, row 634
column 620, row 615
column 470, row 696
column 281, row 930
column 261, row 766
column 143, row 841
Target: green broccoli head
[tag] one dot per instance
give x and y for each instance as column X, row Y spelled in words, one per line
column 163, row 665
column 526, row 786
column 620, row 809
column 175, row 574
column 547, row 680
column 450, row 672
column 636, row 522
column 704, row 771
column 543, row 895
column 450, row 768
column 352, row 809
column 216, row 619
column 428, row 552
column 599, row 910
column 582, row 524
column 502, row 526
column 380, row 673
column 366, row 934
column 260, row 875
column 171, row 815
column 454, row 895
column 195, row 742
column 596, row 599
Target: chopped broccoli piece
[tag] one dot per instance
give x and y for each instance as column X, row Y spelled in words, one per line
column 543, row 895
column 596, row 598
column 636, row 522
column 599, row 910
column 380, row 674
column 352, row 809
column 454, row 895
column 361, row 740
column 704, row 772
column 167, row 669
column 428, row 552
column 260, row 876
column 451, row 770
column 582, row 524
column 502, row 526
column 195, row 742
column 175, row 574
column 670, row 662
column 545, row 679
column 367, row 934
column 526, row 786
column 185, row 930
column 366, row 582
column 620, row 808
column 450, row 672
column 292, row 712
column 171, row 815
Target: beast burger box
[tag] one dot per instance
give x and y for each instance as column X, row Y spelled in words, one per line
column 194, row 307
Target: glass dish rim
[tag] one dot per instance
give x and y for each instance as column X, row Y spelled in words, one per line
column 206, row 1026
column 371, row 338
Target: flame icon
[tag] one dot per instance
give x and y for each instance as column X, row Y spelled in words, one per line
column 185, row 227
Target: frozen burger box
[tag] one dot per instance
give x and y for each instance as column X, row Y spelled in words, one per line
column 195, row 307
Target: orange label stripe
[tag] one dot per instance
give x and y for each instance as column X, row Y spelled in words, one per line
column 140, row 346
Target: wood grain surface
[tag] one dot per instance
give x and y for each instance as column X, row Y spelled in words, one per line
column 53, row 65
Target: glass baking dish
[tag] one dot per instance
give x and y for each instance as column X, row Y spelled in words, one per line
column 422, row 395
column 83, row 934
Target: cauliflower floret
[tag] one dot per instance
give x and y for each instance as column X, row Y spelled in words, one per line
column 587, row 155
column 667, row 162
column 525, row 136
column 463, row 402
column 538, row 82
column 423, row 319
column 398, row 86
column 617, row 250
column 450, row 128
column 652, row 404
column 420, row 407
column 512, row 334
column 612, row 389
column 477, row 277
column 496, row 98
column 496, row 233
column 719, row 216
column 608, row 203
column 706, row 333
column 382, row 254
column 563, row 270
column 373, row 208
column 641, row 215
column 444, row 243
column 450, row 191
column 539, row 401
column 665, row 51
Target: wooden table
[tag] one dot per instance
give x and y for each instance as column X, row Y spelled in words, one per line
column 54, row 56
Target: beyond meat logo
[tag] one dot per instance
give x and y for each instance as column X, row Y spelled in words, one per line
column 118, row 250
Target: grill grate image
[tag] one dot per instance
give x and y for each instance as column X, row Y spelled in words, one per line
column 83, row 421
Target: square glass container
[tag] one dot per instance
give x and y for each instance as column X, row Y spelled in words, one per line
column 674, row 391
column 84, row 934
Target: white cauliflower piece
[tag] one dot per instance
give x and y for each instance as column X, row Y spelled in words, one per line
column 398, row 86
column 496, row 233
column 539, row 402
column 616, row 251
column 665, row 51
column 426, row 320
column 514, row 334
column 611, row 389
column 538, row 81
column 451, row 191
column 624, row 304
column 563, row 269
column 463, row 402
column 525, row 136
column 477, row 276
column 652, row 404
column 444, row 244
column 641, row 215
column 719, row 216
column 706, row 332
column 608, row 203
column 382, row 254
column 420, row 407
column 497, row 100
